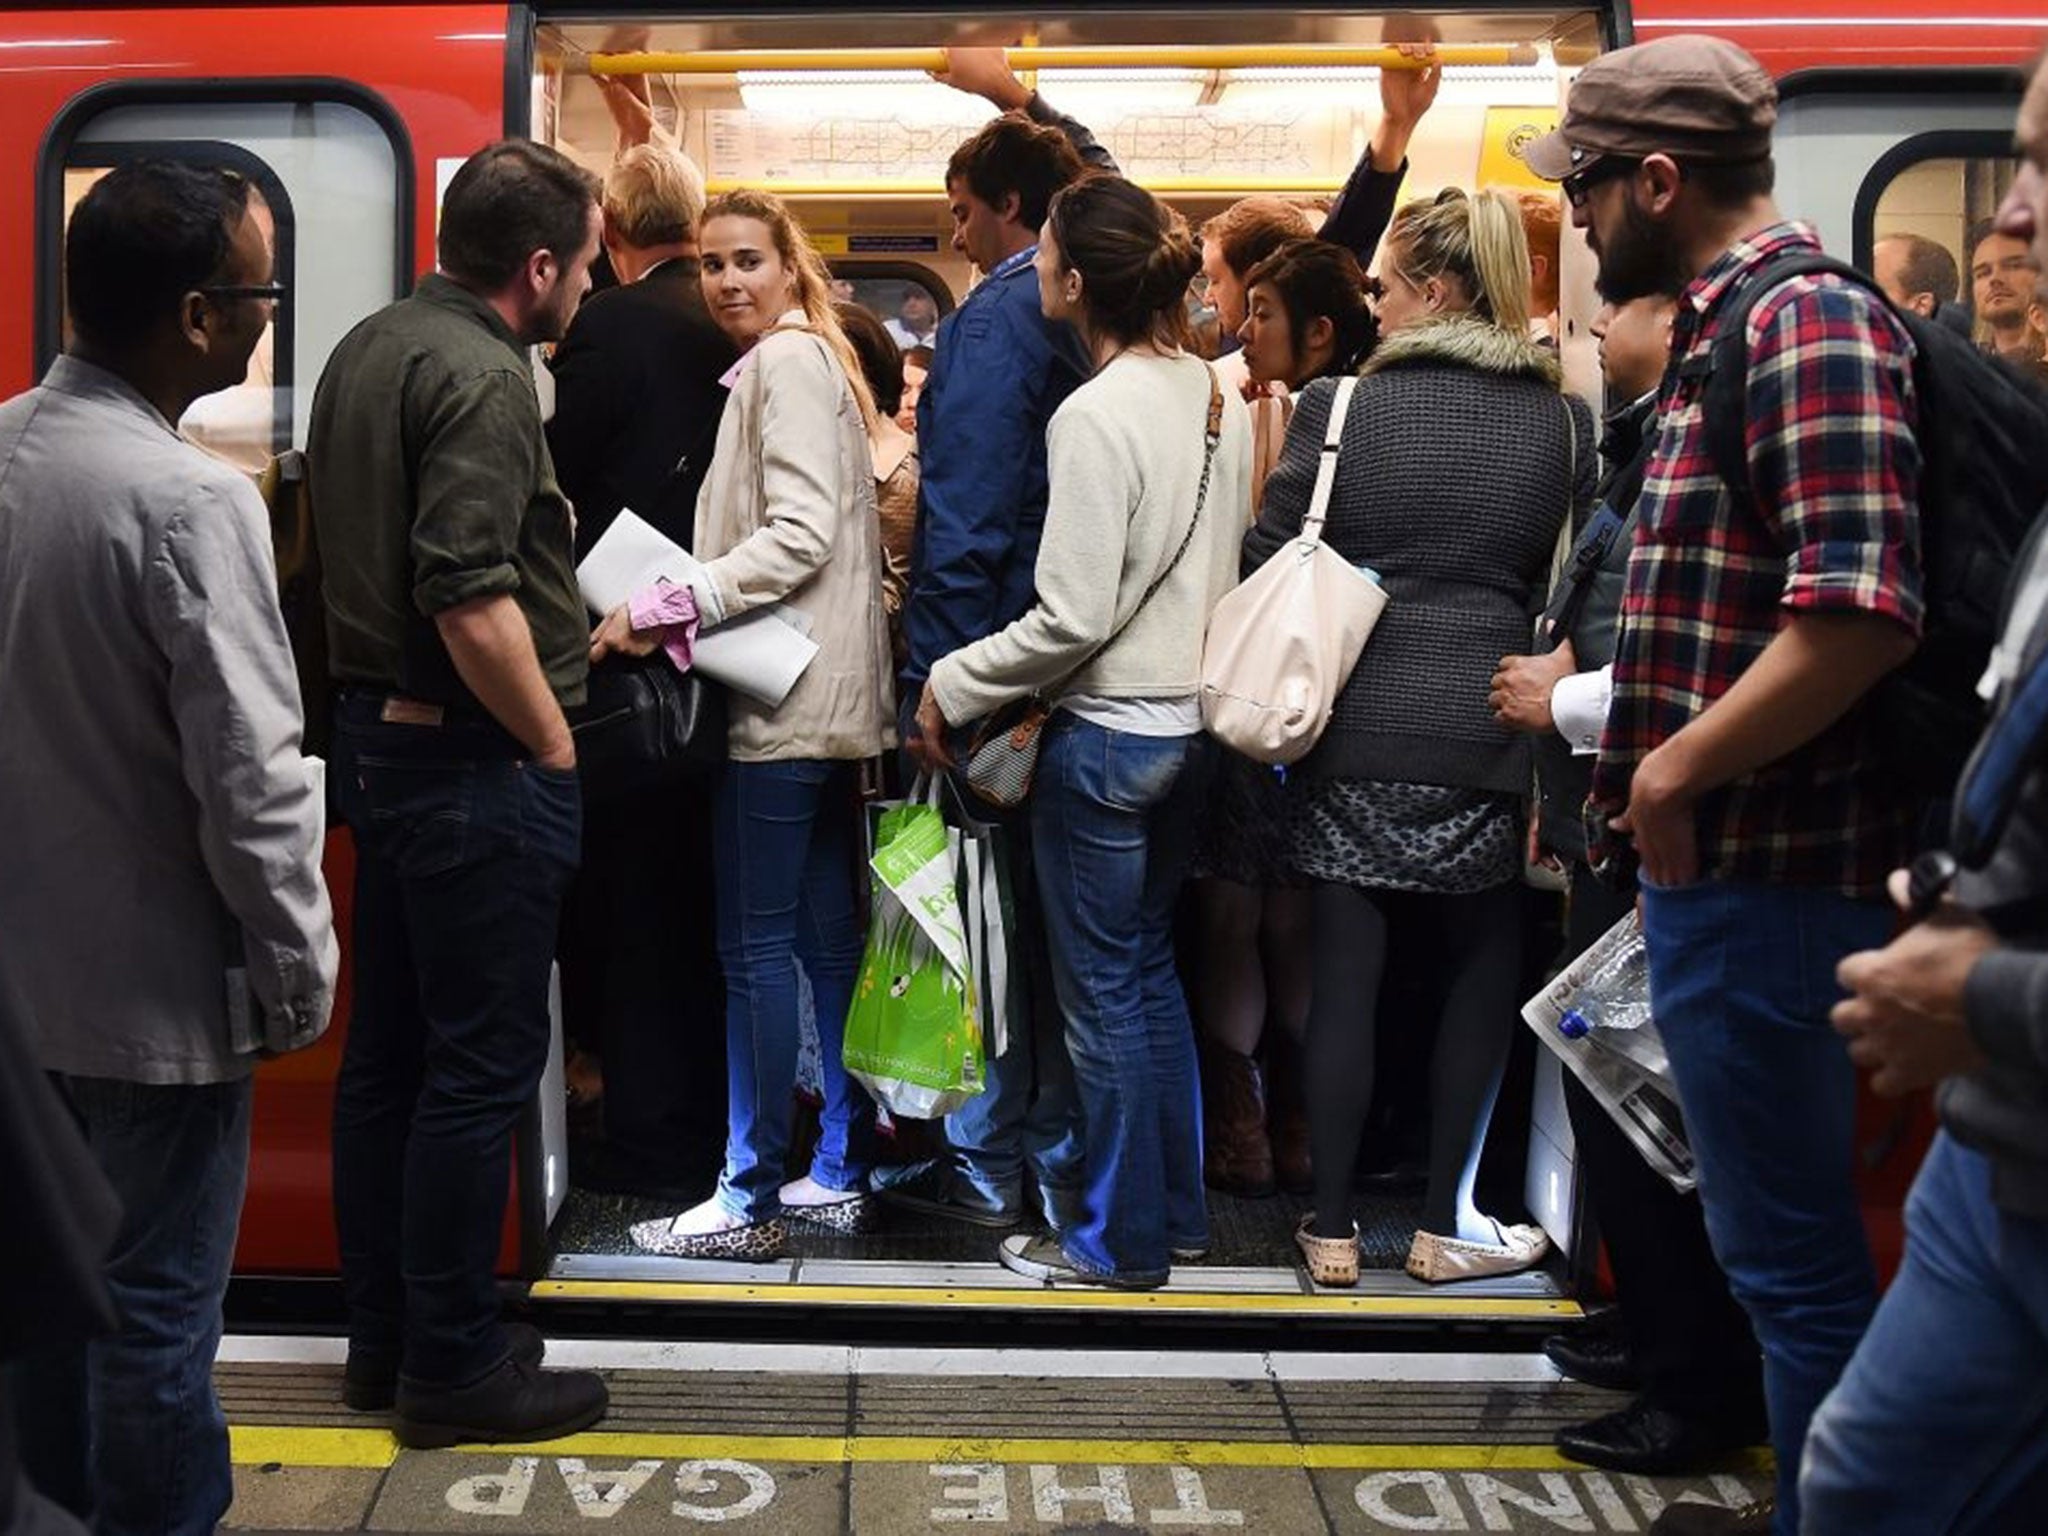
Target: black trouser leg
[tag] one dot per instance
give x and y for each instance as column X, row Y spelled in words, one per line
column 1350, row 957
column 1692, row 1344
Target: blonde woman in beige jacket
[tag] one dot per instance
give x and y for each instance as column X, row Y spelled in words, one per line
column 787, row 515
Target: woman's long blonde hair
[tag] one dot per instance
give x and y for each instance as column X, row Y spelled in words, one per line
column 1477, row 240
column 813, row 281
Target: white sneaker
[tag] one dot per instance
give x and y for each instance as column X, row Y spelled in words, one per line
column 847, row 1211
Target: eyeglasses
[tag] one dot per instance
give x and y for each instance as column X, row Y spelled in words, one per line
column 1580, row 184
column 271, row 291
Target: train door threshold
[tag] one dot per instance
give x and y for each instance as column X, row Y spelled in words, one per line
column 1195, row 1292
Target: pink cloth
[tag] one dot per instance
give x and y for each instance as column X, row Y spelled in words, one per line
column 672, row 610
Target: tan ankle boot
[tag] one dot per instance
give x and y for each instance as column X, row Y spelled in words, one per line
column 1235, row 1156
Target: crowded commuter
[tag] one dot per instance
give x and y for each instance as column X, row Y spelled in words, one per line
column 1147, row 464
column 2003, row 272
column 638, row 392
column 1680, row 1336
column 1737, row 761
column 1543, row 228
column 917, row 364
column 999, row 370
column 786, row 517
column 1936, row 1423
column 1460, row 459
column 895, row 458
column 916, row 321
column 166, row 923
column 457, row 639
column 1306, row 317
column 1919, row 274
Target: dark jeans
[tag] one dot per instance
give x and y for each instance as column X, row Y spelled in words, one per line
column 641, row 986
column 130, row 1421
column 1112, row 824
column 463, row 849
column 786, row 835
column 1741, row 980
column 1691, row 1342
column 1941, row 1421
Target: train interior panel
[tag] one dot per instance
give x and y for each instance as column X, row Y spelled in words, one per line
column 1203, row 108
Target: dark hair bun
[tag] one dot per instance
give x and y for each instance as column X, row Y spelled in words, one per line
column 1172, row 266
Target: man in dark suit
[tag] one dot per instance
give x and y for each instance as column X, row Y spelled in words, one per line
column 638, row 393
column 637, row 379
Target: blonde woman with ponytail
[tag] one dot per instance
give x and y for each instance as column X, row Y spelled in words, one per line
column 786, row 516
column 1460, row 459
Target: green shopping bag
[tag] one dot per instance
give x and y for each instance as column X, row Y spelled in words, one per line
column 913, row 1037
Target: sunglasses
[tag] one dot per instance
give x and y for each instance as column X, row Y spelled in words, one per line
column 272, row 291
column 1580, row 184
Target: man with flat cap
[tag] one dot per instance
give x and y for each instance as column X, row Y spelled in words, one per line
column 1737, row 759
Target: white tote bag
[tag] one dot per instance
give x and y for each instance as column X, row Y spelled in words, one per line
column 1281, row 644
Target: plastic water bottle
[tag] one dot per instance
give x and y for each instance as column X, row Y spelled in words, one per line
column 1616, row 995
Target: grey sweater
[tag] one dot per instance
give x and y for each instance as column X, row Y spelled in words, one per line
column 1458, row 466
column 2002, row 1111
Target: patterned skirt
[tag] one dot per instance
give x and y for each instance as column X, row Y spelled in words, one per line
column 1405, row 837
column 1244, row 826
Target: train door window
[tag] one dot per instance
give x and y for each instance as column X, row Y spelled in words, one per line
column 909, row 299
column 1926, row 224
column 334, row 184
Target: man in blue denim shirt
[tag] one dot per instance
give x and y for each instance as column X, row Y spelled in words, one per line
column 999, row 371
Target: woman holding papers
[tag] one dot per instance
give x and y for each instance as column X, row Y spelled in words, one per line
column 1149, row 465
column 786, row 517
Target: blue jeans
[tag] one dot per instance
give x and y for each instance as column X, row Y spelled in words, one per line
column 784, row 840
column 1941, row 1421
column 463, row 850
column 1028, row 1113
column 1112, row 826
column 1741, row 981
column 151, row 1442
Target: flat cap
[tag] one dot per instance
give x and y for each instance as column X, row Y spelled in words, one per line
column 1693, row 98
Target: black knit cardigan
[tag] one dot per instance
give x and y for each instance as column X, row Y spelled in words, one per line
column 1460, row 461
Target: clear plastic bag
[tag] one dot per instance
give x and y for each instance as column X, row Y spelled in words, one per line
column 1596, row 1016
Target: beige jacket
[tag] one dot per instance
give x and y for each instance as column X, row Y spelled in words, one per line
column 787, row 515
column 1124, row 458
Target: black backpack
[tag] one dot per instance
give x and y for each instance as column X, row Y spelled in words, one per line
column 1983, row 438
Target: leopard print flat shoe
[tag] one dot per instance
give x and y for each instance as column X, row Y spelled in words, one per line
column 755, row 1242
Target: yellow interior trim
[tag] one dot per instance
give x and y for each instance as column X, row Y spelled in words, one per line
column 376, row 1448
column 1172, row 56
column 1163, row 186
column 1057, row 1299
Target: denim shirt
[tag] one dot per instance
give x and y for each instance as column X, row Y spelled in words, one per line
column 999, row 371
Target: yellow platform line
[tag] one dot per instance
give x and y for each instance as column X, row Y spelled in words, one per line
column 1057, row 1299
column 376, row 1448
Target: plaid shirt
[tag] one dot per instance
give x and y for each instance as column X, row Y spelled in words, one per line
column 1832, row 525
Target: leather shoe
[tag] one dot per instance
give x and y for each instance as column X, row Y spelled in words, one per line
column 515, row 1403
column 1597, row 1359
column 1647, row 1439
column 1695, row 1519
column 369, row 1382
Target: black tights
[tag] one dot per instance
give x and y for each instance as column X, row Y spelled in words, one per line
column 1478, row 940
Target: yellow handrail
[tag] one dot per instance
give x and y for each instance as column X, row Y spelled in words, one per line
column 869, row 60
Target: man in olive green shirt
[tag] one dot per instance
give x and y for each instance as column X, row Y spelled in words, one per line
column 455, row 636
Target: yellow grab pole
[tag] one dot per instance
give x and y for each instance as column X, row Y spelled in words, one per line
column 870, row 60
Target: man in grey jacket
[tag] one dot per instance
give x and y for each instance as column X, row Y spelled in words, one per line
column 164, row 915
column 1936, row 1425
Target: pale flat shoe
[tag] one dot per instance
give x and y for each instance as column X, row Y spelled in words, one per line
column 1331, row 1260
column 1441, row 1260
column 848, row 1211
column 710, row 1231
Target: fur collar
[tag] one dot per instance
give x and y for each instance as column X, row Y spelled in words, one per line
column 1465, row 342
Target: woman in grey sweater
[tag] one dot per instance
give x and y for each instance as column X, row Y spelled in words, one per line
column 1460, row 461
column 1148, row 464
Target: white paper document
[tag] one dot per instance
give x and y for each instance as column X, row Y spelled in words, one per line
column 761, row 654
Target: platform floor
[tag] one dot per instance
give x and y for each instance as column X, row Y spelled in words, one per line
column 822, row 1439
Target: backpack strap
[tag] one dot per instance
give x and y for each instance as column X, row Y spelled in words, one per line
column 1724, row 407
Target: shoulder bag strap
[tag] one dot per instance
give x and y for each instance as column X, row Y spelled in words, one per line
column 1326, row 469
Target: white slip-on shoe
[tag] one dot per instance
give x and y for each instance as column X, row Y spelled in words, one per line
column 1441, row 1260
